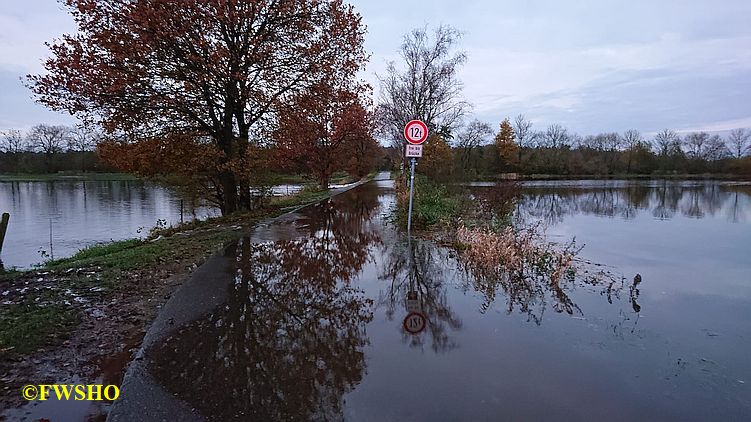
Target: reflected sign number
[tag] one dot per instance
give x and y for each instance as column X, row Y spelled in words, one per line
column 414, row 322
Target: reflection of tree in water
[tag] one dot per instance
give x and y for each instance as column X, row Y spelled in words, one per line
column 533, row 291
column 664, row 200
column 667, row 202
column 529, row 272
column 629, row 321
column 288, row 343
column 427, row 275
column 737, row 211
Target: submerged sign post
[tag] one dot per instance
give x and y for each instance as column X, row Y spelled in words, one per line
column 415, row 132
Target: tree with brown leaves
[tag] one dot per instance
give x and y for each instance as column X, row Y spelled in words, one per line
column 506, row 145
column 316, row 131
column 437, row 159
column 216, row 72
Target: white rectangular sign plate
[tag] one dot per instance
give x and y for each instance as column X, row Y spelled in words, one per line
column 414, row 151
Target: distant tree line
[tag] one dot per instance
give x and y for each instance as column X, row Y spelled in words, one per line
column 49, row 148
column 517, row 147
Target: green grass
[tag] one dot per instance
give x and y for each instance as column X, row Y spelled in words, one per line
column 134, row 253
column 26, row 327
column 96, row 251
column 54, row 177
column 432, row 204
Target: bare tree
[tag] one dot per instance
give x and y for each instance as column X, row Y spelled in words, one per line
column 427, row 88
column 48, row 139
column 602, row 141
column 612, row 141
column 594, row 142
column 576, row 140
column 525, row 136
column 667, row 143
column 702, row 146
column 474, row 134
column 81, row 139
column 739, row 142
column 556, row 136
column 632, row 140
column 12, row 141
column 695, row 143
column 716, row 149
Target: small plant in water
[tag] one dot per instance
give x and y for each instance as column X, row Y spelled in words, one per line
column 531, row 272
column 43, row 253
column 518, row 252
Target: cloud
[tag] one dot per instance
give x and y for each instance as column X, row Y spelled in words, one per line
column 590, row 65
column 719, row 126
column 19, row 111
column 625, row 85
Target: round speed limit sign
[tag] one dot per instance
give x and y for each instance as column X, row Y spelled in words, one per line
column 416, row 132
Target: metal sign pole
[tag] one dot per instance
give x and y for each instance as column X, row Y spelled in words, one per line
column 411, row 190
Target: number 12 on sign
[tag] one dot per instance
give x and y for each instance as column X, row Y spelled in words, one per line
column 415, row 132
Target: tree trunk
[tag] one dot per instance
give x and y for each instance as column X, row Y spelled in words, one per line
column 245, row 197
column 628, row 166
column 229, row 192
column 324, row 180
column 227, row 178
column 519, row 163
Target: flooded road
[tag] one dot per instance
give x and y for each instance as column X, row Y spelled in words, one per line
column 306, row 317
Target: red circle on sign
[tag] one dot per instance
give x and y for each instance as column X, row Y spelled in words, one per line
column 416, row 132
column 414, row 330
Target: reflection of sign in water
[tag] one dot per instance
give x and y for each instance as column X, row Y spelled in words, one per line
column 414, row 322
column 413, row 305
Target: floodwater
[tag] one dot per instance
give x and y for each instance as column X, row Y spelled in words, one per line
column 314, row 326
column 80, row 214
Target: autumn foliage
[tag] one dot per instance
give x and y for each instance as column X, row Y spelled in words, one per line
column 216, row 75
column 326, row 130
column 508, row 150
column 437, row 160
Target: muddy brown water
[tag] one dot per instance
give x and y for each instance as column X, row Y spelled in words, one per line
column 313, row 327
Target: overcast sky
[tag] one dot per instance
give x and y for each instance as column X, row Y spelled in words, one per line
column 590, row 65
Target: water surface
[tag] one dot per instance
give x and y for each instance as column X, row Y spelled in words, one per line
column 80, row 214
column 313, row 327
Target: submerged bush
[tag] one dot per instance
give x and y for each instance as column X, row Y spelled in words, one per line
column 432, row 203
column 518, row 253
column 531, row 272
